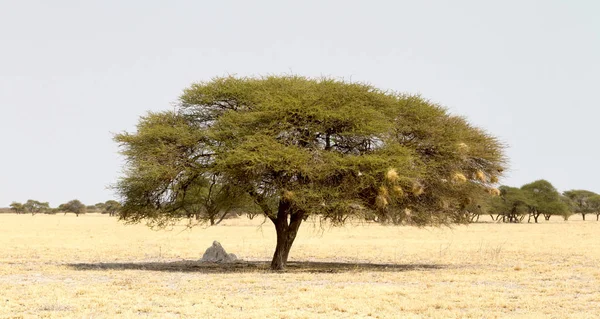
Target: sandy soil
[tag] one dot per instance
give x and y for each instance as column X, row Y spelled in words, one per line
column 95, row 267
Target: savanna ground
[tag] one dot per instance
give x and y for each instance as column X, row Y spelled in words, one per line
column 95, row 267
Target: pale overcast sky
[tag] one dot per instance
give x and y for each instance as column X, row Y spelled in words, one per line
column 73, row 72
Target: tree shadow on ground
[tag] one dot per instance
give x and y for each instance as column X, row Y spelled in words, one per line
column 255, row 266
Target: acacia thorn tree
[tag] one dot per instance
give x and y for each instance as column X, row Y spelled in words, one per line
column 36, row 207
column 512, row 204
column 594, row 203
column 74, row 206
column 580, row 199
column 298, row 147
column 17, row 207
column 110, row 207
column 544, row 199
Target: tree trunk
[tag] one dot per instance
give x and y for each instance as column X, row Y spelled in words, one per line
column 223, row 215
column 535, row 217
column 286, row 233
column 582, row 214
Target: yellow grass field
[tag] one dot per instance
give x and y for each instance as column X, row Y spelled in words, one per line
column 95, row 267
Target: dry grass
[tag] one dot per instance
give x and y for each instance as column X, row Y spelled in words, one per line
column 94, row 267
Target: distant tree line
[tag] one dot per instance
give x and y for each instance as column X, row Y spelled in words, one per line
column 213, row 202
column 110, row 207
column 532, row 200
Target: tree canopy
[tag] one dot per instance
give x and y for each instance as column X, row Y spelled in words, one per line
column 74, row 206
column 511, row 205
column 594, row 205
column 110, row 207
column 36, row 207
column 544, row 199
column 533, row 199
column 298, row 147
column 17, row 207
column 581, row 200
